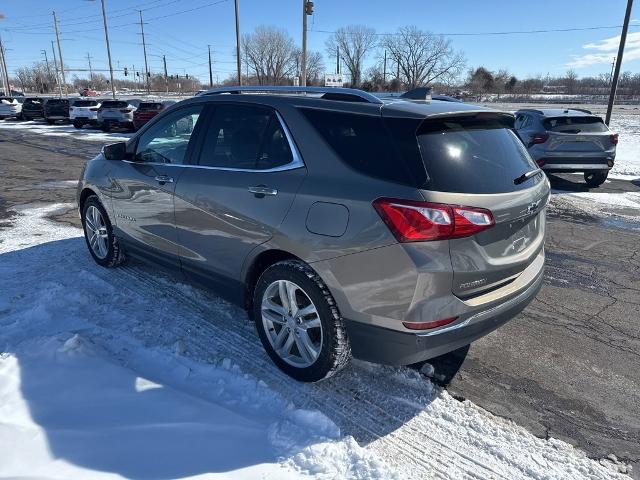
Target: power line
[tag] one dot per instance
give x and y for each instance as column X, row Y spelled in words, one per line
column 511, row 32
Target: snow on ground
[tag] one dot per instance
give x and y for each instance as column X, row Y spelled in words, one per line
column 628, row 150
column 107, row 373
column 57, row 130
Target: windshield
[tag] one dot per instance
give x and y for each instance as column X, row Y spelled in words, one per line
column 85, row 103
column 471, row 155
column 115, row 104
column 55, row 102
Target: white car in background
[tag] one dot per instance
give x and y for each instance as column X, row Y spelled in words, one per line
column 10, row 107
column 84, row 112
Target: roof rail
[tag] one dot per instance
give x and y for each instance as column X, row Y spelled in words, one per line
column 534, row 110
column 419, row 93
column 332, row 93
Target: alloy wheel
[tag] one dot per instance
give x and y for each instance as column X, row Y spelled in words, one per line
column 292, row 323
column 96, row 232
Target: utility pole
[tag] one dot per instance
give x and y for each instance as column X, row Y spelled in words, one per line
column 55, row 24
column 338, row 60
column 106, row 37
column 616, row 73
column 384, row 69
column 5, row 70
column 166, row 79
column 90, row 69
column 303, row 60
column 210, row 71
column 144, row 48
column 613, row 64
column 55, row 64
column 46, row 60
column 238, row 43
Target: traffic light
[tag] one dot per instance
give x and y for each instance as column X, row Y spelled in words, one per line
column 149, row 74
column 308, row 7
column 137, row 74
column 186, row 75
column 126, row 72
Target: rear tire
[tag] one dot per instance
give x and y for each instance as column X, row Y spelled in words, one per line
column 98, row 233
column 77, row 124
column 105, row 127
column 320, row 333
column 51, row 122
column 595, row 179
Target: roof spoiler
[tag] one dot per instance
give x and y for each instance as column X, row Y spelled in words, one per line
column 420, row 93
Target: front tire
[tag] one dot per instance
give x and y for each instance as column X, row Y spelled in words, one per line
column 595, row 179
column 299, row 323
column 98, row 233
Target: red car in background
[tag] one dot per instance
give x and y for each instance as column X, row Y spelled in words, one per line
column 87, row 92
column 147, row 110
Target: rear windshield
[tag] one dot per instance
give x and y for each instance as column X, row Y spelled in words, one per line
column 57, row 101
column 365, row 144
column 6, row 100
column 114, row 104
column 85, row 103
column 150, row 106
column 575, row 125
column 35, row 101
column 472, row 155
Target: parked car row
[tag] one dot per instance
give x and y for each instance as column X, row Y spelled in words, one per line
column 130, row 114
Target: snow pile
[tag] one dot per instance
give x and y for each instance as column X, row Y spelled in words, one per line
column 124, row 373
column 63, row 130
column 628, row 149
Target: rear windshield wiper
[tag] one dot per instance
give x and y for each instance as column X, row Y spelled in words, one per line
column 526, row 176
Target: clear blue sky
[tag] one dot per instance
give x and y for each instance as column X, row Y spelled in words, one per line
column 183, row 35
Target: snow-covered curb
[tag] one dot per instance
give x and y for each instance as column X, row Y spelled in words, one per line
column 92, row 358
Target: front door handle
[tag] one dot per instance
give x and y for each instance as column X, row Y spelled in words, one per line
column 260, row 191
column 162, row 179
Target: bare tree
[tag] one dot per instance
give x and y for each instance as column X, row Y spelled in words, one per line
column 270, row 54
column 315, row 67
column 423, row 57
column 354, row 43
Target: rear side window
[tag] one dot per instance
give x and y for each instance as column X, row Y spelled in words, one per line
column 114, row 104
column 364, row 143
column 245, row 137
column 575, row 125
column 471, row 155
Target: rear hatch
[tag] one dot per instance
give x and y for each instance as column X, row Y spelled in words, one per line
column 114, row 109
column 33, row 106
column 578, row 135
column 8, row 106
column 473, row 159
column 147, row 110
column 84, row 108
column 57, row 107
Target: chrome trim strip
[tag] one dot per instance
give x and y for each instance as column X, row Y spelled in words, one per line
column 489, row 311
column 292, row 89
column 297, row 161
column 576, row 166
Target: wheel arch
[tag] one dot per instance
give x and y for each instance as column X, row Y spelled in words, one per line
column 84, row 194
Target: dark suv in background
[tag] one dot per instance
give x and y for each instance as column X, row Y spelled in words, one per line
column 391, row 229
column 56, row 109
column 32, row 108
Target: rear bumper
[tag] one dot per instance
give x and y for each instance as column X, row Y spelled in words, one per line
column 381, row 345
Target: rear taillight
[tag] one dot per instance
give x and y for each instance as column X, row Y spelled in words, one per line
column 414, row 221
column 537, row 138
column 94, row 109
column 540, row 162
column 614, row 138
column 429, row 325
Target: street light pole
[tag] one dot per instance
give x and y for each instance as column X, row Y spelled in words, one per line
column 238, row 43
column 5, row 70
column 210, row 70
column 64, row 81
column 144, row 48
column 106, row 37
column 303, row 60
column 616, row 73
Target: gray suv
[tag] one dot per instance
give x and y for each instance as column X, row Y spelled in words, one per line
column 391, row 230
column 568, row 140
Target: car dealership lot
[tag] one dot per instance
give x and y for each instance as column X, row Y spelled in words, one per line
column 566, row 368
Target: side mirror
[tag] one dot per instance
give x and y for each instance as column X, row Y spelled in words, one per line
column 115, row 151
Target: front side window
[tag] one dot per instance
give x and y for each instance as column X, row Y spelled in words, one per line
column 167, row 140
column 245, row 137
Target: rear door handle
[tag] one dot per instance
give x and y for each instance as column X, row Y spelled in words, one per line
column 260, row 191
column 162, row 179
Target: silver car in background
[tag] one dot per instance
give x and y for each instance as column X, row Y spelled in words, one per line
column 568, row 140
column 10, row 107
column 117, row 114
column 84, row 112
